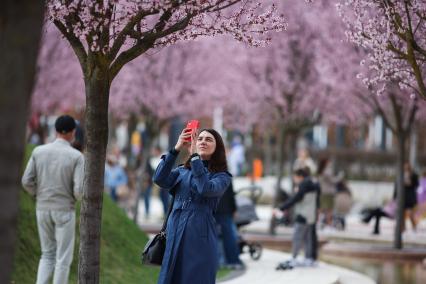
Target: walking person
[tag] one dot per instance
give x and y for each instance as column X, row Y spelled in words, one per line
column 328, row 182
column 411, row 183
column 147, row 187
column 228, row 239
column 191, row 246
column 305, row 203
column 54, row 175
column 163, row 194
column 115, row 177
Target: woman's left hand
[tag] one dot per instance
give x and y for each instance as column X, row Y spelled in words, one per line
column 193, row 148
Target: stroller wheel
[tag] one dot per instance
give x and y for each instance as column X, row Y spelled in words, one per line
column 255, row 250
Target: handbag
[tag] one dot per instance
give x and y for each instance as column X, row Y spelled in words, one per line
column 154, row 249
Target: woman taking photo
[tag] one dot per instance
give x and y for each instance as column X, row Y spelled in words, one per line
column 191, row 246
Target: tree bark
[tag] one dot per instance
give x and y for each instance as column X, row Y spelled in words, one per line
column 20, row 31
column 140, row 176
column 267, row 149
column 400, row 194
column 281, row 160
column 96, row 129
column 292, row 156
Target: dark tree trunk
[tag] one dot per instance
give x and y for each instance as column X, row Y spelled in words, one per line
column 96, row 129
column 20, row 30
column 281, row 160
column 292, row 149
column 267, row 149
column 141, row 177
column 400, row 194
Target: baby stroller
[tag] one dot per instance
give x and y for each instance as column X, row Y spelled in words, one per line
column 246, row 199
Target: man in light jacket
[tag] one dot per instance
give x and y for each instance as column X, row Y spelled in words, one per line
column 54, row 175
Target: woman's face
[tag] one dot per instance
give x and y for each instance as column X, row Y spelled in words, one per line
column 206, row 145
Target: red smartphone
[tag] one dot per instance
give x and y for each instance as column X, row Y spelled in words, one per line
column 193, row 125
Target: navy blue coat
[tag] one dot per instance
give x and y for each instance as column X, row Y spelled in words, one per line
column 191, row 246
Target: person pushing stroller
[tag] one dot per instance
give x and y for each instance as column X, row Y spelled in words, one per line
column 305, row 203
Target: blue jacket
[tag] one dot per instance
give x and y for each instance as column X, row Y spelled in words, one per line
column 191, row 246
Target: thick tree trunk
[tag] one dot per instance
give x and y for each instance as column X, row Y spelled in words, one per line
column 400, row 195
column 20, row 30
column 96, row 129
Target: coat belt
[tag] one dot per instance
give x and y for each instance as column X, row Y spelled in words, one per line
column 190, row 204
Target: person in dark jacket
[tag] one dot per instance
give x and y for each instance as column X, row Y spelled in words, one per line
column 305, row 203
column 411, row 183
column 227, row 230
column 191, row 246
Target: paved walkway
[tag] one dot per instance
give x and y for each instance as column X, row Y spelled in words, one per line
column 263, row 271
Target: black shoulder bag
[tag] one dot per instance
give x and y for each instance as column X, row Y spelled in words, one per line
column 153, row 251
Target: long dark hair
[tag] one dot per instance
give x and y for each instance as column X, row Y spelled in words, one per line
column 322, row 165
column 217, row 162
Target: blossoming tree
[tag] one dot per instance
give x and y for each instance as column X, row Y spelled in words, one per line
column 393, row 32
column 105, row 35
column 359, row 84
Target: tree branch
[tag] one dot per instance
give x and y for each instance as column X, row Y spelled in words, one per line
column 76, row 45
column 121, row 37
column 144, row 44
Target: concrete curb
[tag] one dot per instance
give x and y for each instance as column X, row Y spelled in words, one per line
column 373, row 251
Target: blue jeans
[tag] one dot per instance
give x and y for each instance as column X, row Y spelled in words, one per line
column 147, row 199
column 228, row 234
column 113, row 194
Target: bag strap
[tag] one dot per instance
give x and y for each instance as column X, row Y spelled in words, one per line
column 163, row 229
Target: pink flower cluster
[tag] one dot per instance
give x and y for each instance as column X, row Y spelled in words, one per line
column 392, row 31
column 107, row 25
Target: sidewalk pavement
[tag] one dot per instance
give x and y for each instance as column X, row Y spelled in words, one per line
column 263, row 271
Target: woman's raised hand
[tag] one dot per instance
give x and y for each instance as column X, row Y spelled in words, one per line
column 184, row 140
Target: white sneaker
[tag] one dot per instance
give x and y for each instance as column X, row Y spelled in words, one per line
column 308, row 262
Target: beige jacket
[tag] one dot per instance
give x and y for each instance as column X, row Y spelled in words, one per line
column 54, row 174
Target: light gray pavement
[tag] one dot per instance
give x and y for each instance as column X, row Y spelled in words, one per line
column 263, row 271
